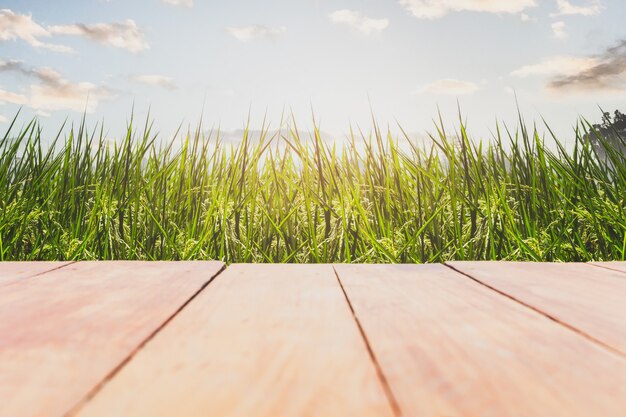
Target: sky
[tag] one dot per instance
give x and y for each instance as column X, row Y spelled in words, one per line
column 340, row 60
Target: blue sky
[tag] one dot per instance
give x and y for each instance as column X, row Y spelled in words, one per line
column 187, row 58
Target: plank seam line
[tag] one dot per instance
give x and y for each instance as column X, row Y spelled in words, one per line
column 40, row 273
column 555, row 319
column 605, row 267
column 116, row 369
column 395, row 407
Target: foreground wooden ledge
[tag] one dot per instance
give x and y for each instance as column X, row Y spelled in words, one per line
column 198, row 339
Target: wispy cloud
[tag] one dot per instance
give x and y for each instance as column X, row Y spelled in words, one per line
column 155, row 80
column 15, row 26
column 124, row 35
column 559, row 30
column 559, row 65
column 525, row 17
column 51, row 91
column 608, row 73
column 592, row 7
column 358, row 21
column 255, row 32
column 14, row 98
column 449, row 86
column 602, row 72
column 180, row 3
column 435, row 9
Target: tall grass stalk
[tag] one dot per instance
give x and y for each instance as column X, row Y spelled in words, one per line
column 280, row 197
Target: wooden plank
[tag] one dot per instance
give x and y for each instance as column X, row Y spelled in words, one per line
column 617, row 265
column 449, row 346
column 587, row 298
column 11, row 272
column 261, row 340
column 63, row 333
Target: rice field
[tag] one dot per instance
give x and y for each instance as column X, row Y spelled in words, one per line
column 284, row 196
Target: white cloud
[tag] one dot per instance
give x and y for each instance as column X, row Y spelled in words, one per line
column 14, row 98
column 559, row 30
column 434, row 9
column 180, row 3
column 608, row 74
column 449, row 86
column 124, row 35
column 42, row 113
column 20, row 26
column 155, row 80
column 593, row 7
column 357, row 21
column 51, row 91
column 64, row 96
column 605, row 72
column 255, row 32
column 3, row 119
column 82, row 96
column 559, row 65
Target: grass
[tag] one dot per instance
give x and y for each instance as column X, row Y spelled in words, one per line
column 284, row 198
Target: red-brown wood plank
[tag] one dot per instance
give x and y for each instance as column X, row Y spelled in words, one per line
column 587, row 298
column 63, row 333
column 11, row 272
column 449, row 346
column 261, row 340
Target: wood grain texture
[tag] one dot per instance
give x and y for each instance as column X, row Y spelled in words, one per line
column 11, row 272
column 62, row 333
column 616, row 266
column 451, row 347
column 261, row 340
column 587, row 298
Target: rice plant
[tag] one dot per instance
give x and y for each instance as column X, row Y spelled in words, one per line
column 281, row 197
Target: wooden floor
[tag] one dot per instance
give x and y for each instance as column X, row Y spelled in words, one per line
column 153, row 339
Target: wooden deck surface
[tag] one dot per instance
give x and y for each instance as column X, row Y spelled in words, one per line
column 186, row 339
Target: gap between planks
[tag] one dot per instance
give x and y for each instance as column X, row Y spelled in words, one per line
column 538, row 310
column 94, row 391
column 16, row 279
column 607, row 265
column 379, row 369
column 86, row 339
column 393, row 402
column 468, row 359
column 310, row 354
